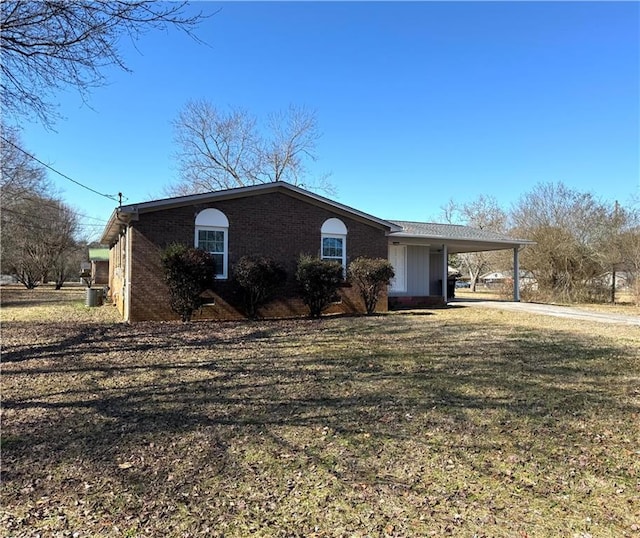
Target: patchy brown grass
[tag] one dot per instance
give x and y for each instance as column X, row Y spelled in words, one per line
column 45, row 303
column 484, row 294
column 626, row 308
column 457, row 421
column 624, row 304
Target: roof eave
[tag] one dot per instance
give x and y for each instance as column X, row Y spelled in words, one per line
column 113, row 226
column 120, row 217
column 507, row 242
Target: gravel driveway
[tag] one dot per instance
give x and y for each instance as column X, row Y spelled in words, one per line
column 552, row 310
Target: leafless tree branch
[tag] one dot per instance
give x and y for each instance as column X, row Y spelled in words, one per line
column 53, row 44
column 220, row 150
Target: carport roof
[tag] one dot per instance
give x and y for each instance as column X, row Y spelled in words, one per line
column 458, row 238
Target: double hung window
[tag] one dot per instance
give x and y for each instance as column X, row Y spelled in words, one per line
column 334, row 242
column 212, row 236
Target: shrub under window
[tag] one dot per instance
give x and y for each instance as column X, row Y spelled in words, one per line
column 371, row 276
column 258, row 278
column 188, row 272
column 319, row 282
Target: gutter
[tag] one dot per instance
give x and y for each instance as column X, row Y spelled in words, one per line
column 118, row 222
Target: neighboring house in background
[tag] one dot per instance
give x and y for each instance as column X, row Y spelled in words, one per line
column 623, row 279
column 85, row 273
column 99, row 259
column 8, row 279
column 498, row 279
column 281, row 221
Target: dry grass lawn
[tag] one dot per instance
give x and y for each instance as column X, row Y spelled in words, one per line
column 625, row 303
column 451, row 422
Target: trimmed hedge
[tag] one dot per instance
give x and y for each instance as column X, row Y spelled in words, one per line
column 319, row 282
column 258, row 278
column 188, row 272
column 371, row 276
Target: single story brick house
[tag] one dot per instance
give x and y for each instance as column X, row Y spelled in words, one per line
column 281, row 221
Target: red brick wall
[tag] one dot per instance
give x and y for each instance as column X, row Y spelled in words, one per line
column 100, row 272
column 117, row 273
column 272, row 224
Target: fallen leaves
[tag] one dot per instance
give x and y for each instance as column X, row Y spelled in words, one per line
column 280, row 429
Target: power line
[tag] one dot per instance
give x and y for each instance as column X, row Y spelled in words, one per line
column 55, row 204
column 28, row 221
column 108, row 196
column 25, row 221
column 102, row 221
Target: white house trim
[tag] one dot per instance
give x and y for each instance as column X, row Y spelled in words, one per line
column 214, row 220
column 334, row 229
column 398, row 259
column 334, row 226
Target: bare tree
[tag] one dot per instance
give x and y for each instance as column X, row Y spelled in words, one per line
column 483, row 213
column 630, row 246
column 38, row 231
column 568, row 227
column 216, row 150
column 220, row 150
column 619, row 248
column 294, row 137
column 21, row 181
column 50, row 45
column 37, row 234
column 67, row 265
column 20, row 176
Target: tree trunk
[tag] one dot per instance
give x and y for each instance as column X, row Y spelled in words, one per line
column 613, row 286
column 474, row 280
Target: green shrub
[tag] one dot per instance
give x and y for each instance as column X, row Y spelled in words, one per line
column 188, row 272
column 371, row 276
column 319, row 282
column 258, row 278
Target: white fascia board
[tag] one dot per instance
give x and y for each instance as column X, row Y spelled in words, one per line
column 121, row 216
column 443, row 238
column 241, row 192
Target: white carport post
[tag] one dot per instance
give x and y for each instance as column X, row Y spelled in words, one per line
column 516, row 274
column 445, row 274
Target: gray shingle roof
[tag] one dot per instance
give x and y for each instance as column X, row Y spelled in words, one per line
column 451, row 232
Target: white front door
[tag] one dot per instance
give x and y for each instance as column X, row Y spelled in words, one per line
column 398, row 259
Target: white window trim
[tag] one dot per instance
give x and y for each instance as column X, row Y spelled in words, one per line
column 225, row 253
column 343, row 260
column 334, row 228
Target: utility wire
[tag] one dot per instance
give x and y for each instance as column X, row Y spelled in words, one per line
column 50, row 202
column 108, row 196
column 25, row 221
column 98, row 220
column 28, row 222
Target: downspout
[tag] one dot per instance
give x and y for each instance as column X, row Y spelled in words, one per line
column 124, row 235
column 127, row 276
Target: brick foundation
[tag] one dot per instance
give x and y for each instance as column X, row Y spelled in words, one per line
column 400, row 303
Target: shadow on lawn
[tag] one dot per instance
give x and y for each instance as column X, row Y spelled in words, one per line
column 98, row 339
column 114, row 391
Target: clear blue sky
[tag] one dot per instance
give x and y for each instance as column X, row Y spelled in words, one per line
column 418, row 102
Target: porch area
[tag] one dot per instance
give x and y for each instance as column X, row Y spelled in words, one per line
column 420, row 258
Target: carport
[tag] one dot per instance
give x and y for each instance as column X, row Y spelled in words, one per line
column 419, row 253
